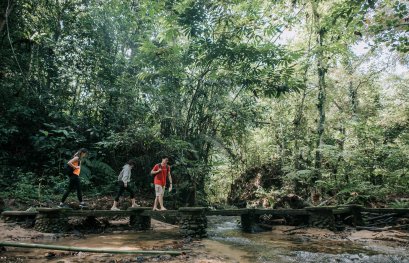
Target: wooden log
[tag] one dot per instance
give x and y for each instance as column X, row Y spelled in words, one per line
column 91, row 250
column 387, row 210
column 382, row 228
column 382, row 222
column 295, row 228
column 372, row 228
column 19, row 213
column 381, row 217
column 399, row 227
column 17, row 216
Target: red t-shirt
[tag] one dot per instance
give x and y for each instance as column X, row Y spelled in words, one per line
column 160, row 178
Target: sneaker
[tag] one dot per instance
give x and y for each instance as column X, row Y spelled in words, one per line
column 115, row 209
column 62, row 205
column 83, row 205
column 136, row 205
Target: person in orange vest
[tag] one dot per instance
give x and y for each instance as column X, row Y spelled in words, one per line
column 161, row 171
column 74, row 165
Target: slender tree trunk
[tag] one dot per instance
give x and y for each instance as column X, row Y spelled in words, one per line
column 9, row 5
column 193, row 101
column 322, row 96
column 353, row 95
column 340, row 158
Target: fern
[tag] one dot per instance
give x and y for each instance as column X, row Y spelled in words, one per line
column 400, row 204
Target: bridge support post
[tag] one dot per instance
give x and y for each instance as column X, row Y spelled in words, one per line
column 139, row 221
column 51, row 220
column 249, row 221
column 193, row 222
column 321, row 217
column 357, row 215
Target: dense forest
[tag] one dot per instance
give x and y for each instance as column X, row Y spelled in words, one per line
column 305, row 97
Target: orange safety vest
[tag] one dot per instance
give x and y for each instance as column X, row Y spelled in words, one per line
column 78, row 170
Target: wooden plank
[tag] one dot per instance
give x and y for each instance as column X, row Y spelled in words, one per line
column 98, row 213
column 320, row 208
column 147, row 211
column 45, row 210
column 281, row 212
column 139, row 208
column 227, row 212
column 341, row 210
column 19, row 213
column 192, row 209
column 150, row 212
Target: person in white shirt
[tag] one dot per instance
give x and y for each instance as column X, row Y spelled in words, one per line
column 124, row 178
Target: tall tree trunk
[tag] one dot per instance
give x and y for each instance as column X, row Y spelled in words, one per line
column 297, row 131
column 299, row 114
column 321, row 68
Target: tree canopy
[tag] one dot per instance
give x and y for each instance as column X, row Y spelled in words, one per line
column 220, row 86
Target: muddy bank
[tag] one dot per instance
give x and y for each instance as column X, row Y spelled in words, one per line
column 397, row 237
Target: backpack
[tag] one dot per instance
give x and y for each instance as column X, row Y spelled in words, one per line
column 167, row 168
column 167, row 172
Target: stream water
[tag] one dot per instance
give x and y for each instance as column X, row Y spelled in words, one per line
column 226, row 238
column 226, row 243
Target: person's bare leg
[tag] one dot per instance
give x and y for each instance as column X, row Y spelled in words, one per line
column 134, row 202
column 161, row 202
column 115, row 205
column 154, row 204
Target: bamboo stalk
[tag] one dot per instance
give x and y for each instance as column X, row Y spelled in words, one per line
column 92, row 250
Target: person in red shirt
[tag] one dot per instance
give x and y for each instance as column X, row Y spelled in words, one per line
column 161, row 171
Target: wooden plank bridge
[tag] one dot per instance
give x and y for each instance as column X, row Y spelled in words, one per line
column 193, row 220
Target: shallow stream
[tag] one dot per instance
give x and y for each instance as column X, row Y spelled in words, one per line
column 226, row 238
column 226, row 243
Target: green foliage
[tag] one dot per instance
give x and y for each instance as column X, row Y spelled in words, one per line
column 27, row 188
column 212, row 84
column 271, row 195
